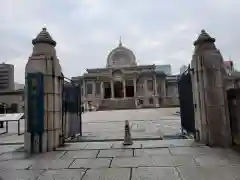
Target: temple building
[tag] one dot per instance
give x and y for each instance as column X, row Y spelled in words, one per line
column 123, row 84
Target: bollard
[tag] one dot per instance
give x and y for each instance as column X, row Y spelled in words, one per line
column 127, row 136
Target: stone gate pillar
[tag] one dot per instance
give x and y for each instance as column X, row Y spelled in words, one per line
column 43, row 129
column 211, row 111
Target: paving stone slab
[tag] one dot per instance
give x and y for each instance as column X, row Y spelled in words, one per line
column 9, row 148
column 196, row 151
column 156, row 144
column 13, row 156
column 234, row 170
column 81, row 154
column 119, row 145
column 170, row 143
column 173, row 161
column 12, row 138
column 19, row 174
column 206, row 173
column 116, row 153
column 155, row 173
column 99, row 145
column 91, row 163
column 15, row 164
column 64, row 174
column 108, row 174
column 152, row 152
column 132, row 162
column 72, row 146
column 216, row 160
column 51, row 164
column 49, row 155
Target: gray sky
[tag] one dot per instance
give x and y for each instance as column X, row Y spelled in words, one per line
column 157, row 31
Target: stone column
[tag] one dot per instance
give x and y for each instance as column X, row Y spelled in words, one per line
column 93, row 88
column 156, row 92
column 124, row 88
column 164, row 90
column 43, row 115
column 145, row 86
column 102, row 90
column 84, row 88
column 211, row 112
column 112, row 89
column 135, row 86
column 155, row 85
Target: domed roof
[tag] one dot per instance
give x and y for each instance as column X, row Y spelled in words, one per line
column 44, row 37
column 121, row 57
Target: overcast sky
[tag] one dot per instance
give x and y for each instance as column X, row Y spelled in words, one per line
column 157, row 31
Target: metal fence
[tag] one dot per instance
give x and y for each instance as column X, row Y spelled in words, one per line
column 233, row 96
column 39, row 96
column 71, row 109
column 186, row 102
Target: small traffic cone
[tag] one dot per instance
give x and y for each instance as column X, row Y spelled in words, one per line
column 127, row 136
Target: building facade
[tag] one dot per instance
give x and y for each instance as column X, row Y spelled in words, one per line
column 13, row 101
column 183, row 68
column 167, row 69
column 123, row 84
column 6, row 77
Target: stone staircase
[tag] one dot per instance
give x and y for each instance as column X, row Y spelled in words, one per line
column 110, row 104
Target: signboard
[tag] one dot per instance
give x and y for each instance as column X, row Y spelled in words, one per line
column 35, row 103
column 11, row 117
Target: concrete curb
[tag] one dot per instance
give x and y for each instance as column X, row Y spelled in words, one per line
column 167, row 137
column 17, row 143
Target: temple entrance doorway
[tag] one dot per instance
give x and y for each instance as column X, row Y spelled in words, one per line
column 129, row 88
column 107, row 90
column 118, row 89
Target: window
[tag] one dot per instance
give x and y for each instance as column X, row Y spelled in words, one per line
column 150, row 100
column 159, row 89
column 160, row 100
column 98, row 89
column 140, row 101
column 89, row 88
column 150, row 85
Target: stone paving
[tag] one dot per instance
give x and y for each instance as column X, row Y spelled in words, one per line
column 102, row 125
column 148, row 160
column 145, row 123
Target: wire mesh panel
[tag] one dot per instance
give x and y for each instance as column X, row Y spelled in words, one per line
column 71, row 110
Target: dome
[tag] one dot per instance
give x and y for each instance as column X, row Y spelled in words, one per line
column 121, row 57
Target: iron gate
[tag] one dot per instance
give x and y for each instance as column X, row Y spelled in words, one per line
column 186, row 102
column 71, row 109
column 233, row 96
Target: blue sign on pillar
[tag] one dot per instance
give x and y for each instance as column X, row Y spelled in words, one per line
column 35, row 103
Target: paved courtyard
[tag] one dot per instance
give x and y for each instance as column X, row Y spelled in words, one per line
column 102, row 125
column 145, row 123
column 168, row 159
column 144, row 160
